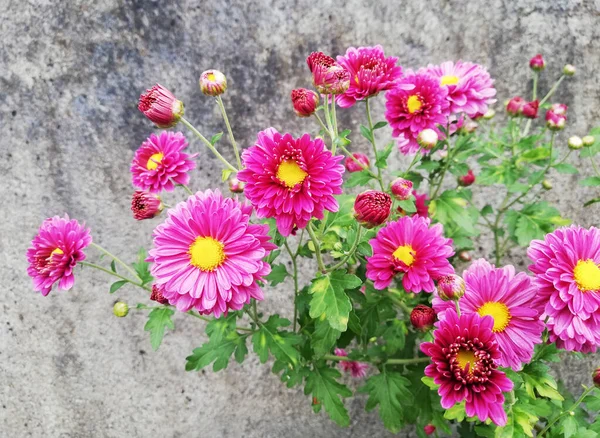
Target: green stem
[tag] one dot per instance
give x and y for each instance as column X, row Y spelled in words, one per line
column 594, row 165
column 379, row 178
column 334, row 123
column 389, row 361
column 415, row 160
column 327, row 115
column 535, row 85
column 114, row 274
column 311, row 233
column 350, row 253
column 567, row 412
column 457, row 307
column 118, row 260
column 208, row 144
column 295, row 268
column 207, row 319
column 444, row 170
column 552, row 90
column 353, row 158
column 324, row 127
column 187, row 189
column 229, row 131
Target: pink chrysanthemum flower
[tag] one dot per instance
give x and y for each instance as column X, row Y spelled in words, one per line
column 566, row 265
column 159, row 163
column 161, row 107
column 370, row 72
column 465, row 354
column 470, row 87
column 54, row 253
column 291, row 179
column 208, row 256
column 411, row 247
column 417, row 102
column 356, row 369
column 507, row 298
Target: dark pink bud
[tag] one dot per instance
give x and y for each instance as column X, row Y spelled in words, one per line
column 466, row 180
column 305, row 102
column 333, row 80
column 530, row 109
column 236, row 186
column 559, row 109
column 318, row 60
column 464, row 256
column 451, row 287
column 596, row 377
column 372, row 208
column 422, row 317
column 555, row 121
column 515, row 106
column 401, row 189
column 429, row 429
column 161, row 107
column 353, row 166
column 537, row 63
column 157, row 295
column 145, row 205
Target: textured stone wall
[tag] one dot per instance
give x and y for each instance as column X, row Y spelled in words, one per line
column 70, row 75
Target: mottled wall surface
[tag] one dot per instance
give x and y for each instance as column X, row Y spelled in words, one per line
column 70, row 75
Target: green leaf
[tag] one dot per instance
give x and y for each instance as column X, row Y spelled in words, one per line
column 278, row 274
column 324, row 337
column 280, row 343
column 383, row 155
column 158, row 320
column 537, row 379
column 388, row 390
column 322, row 383
column 342, row 138
column 358, row 179
column 591, row 181
column 566, row 168
column 225, row 174
column 569, row 426
column 533, row 155
column 142, row 267
column 395, row 336
column 591, row 201
column 113, row 266
column 366, row 133
column 379, row 125
column 450, row 208
column 534, row 221
column 117, row 285
column 215, row 138
column 487, row 209
column 329, row 299
column 408, row 206
column 365, row 249
column 456, row 412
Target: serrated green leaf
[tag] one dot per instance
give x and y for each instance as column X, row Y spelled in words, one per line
column 117, row 285
column 142, row 267
column 158, row 320
column 329, row 299
column 281, row 344
column 365, row 249
column 569, row 426
column 408, row 206
column 324, row 337
column 358, row 179
column 591, row 181
column 566, row 168
column 450, row 208
column 322, row 383
column 383, row 155
column 278, row 274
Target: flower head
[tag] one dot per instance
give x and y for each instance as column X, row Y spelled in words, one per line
column 120, row 309
column 514, row 107
column 333, row 80
column 235, row 185
column 356, row 369
column 213, row 83
column 208, row 256
column 291, row 179
column 370, row 73
column 160, row 106
column 575, row 142
column 401, row 189
column 352, row 165
column 410, row 247
column 54, row 253
column 588, row 140
column 372, row 208
column 465, row 354
column 305, row 102
column 537, row 63
column 427, row 139
column 566, row 265
column 451, row 288
column 466, row 180
column 422, row 317
column 417, row 102
column 470, row 87
column 145, row 205
column 530, row 109
column 159, row 163
column 569, row 70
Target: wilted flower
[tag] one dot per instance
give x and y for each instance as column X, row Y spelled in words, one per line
column 356, row 369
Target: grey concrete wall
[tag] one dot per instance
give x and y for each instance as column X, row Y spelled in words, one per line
column 70, row 75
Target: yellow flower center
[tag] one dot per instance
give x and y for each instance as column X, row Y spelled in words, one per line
column 356, row 79
column 57, row 251
column 210, row 77
column 498, row 311
column 290, row 173
column 587, row 275
column 413, row 103
column 154, row 160
column 466, row 357
column 405, row 254
column 449, row 80
column 206, row 253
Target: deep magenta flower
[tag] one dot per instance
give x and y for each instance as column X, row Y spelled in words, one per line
column 291, row 179
column 145, row 205
column 352, row 166
column 422, row 317
column 470, row 87
column 466, row 180
column 411, row 247
column 54, row 253
column 160, row 106
column 465, row 358
column 566, row 265
column 372, row 208
column 417, row 102
column 159, row 163
column 537, row 63
column 356, row 369
column 370, row 73
column 208, row 256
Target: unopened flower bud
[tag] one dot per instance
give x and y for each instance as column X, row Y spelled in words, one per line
column 427, row 138
column 422, row 317
column 451, row 287
column 530, row 109
column 157, row 294
column 145, row 205
column 470, row 127
column 514, row 107
column 559, row 108
column 464, row 256
column 161, row 107
column 555, row 121
column 352, row 165
column 489, row 114
column 588, row 140
column 305, row 102
column 372, row 208
column 546, row 184
column 120, row 309
column 569, row 70
column 335, row 80
column 235, row 185
column 401, row 189
column 429, row 429
column 537, row 63
column 213, row 83
column 466, row 180
column 596, row 377
column 575, row 143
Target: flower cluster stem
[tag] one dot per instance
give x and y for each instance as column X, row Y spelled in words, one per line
column 313, row 237
column 114, row 274
column 208, row 144
column 370, row 121
column 117, row 259
column 409, row 361
column 295, row 276
column 229, row 131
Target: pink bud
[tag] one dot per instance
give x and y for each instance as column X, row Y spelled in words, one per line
column 537, row 63
column 559, row 109
column 422, row 317
column 429, row 429
column 401, row 189
column 555, row 121
column 353, row 166
column 530, row 109
column 236, row 186
column 372, row 208
column 515, row 106
column 596, row 377
column 466, row 180
column 333, row 80
column 161, row 107
column 213, row 83
column 305, row 102
column 145, row 205
column 451, row 287
column 464, row 256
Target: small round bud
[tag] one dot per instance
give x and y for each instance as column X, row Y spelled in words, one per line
column 352, row 165
column 466, row 180
column 451, row 287
column 530, row 109
column 305, row 102
column 569, row 70
column 236, row 186
column 372, row 208
column 489, row 114
column 514, row 107
column 422, row 317
column 537, row 63
column 575, row 143
column 429, row 429
column 401, row 189
column 213, row 83
column 571, row 413
column 120, row 309
column 596, row 377
column 547, row 185
column 464, row 256
column 588, row 140
column 427, row 139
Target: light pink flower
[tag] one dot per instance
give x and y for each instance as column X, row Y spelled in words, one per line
column 356, row 369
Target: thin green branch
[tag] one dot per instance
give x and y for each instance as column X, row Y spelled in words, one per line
column 208, row 144
column 229, row 131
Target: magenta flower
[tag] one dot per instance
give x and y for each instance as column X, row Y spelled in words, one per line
column 470, row 87
column 411, row 247
column 329, row 77
column 370, row 73
column 160, row 106
column 507, row 298
column 54, row 253
column 566, row 265
column 356, row 369
column 159, row 163
column 417, row 102
column 465, row 354
column 292, row 180
column 208, row 256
